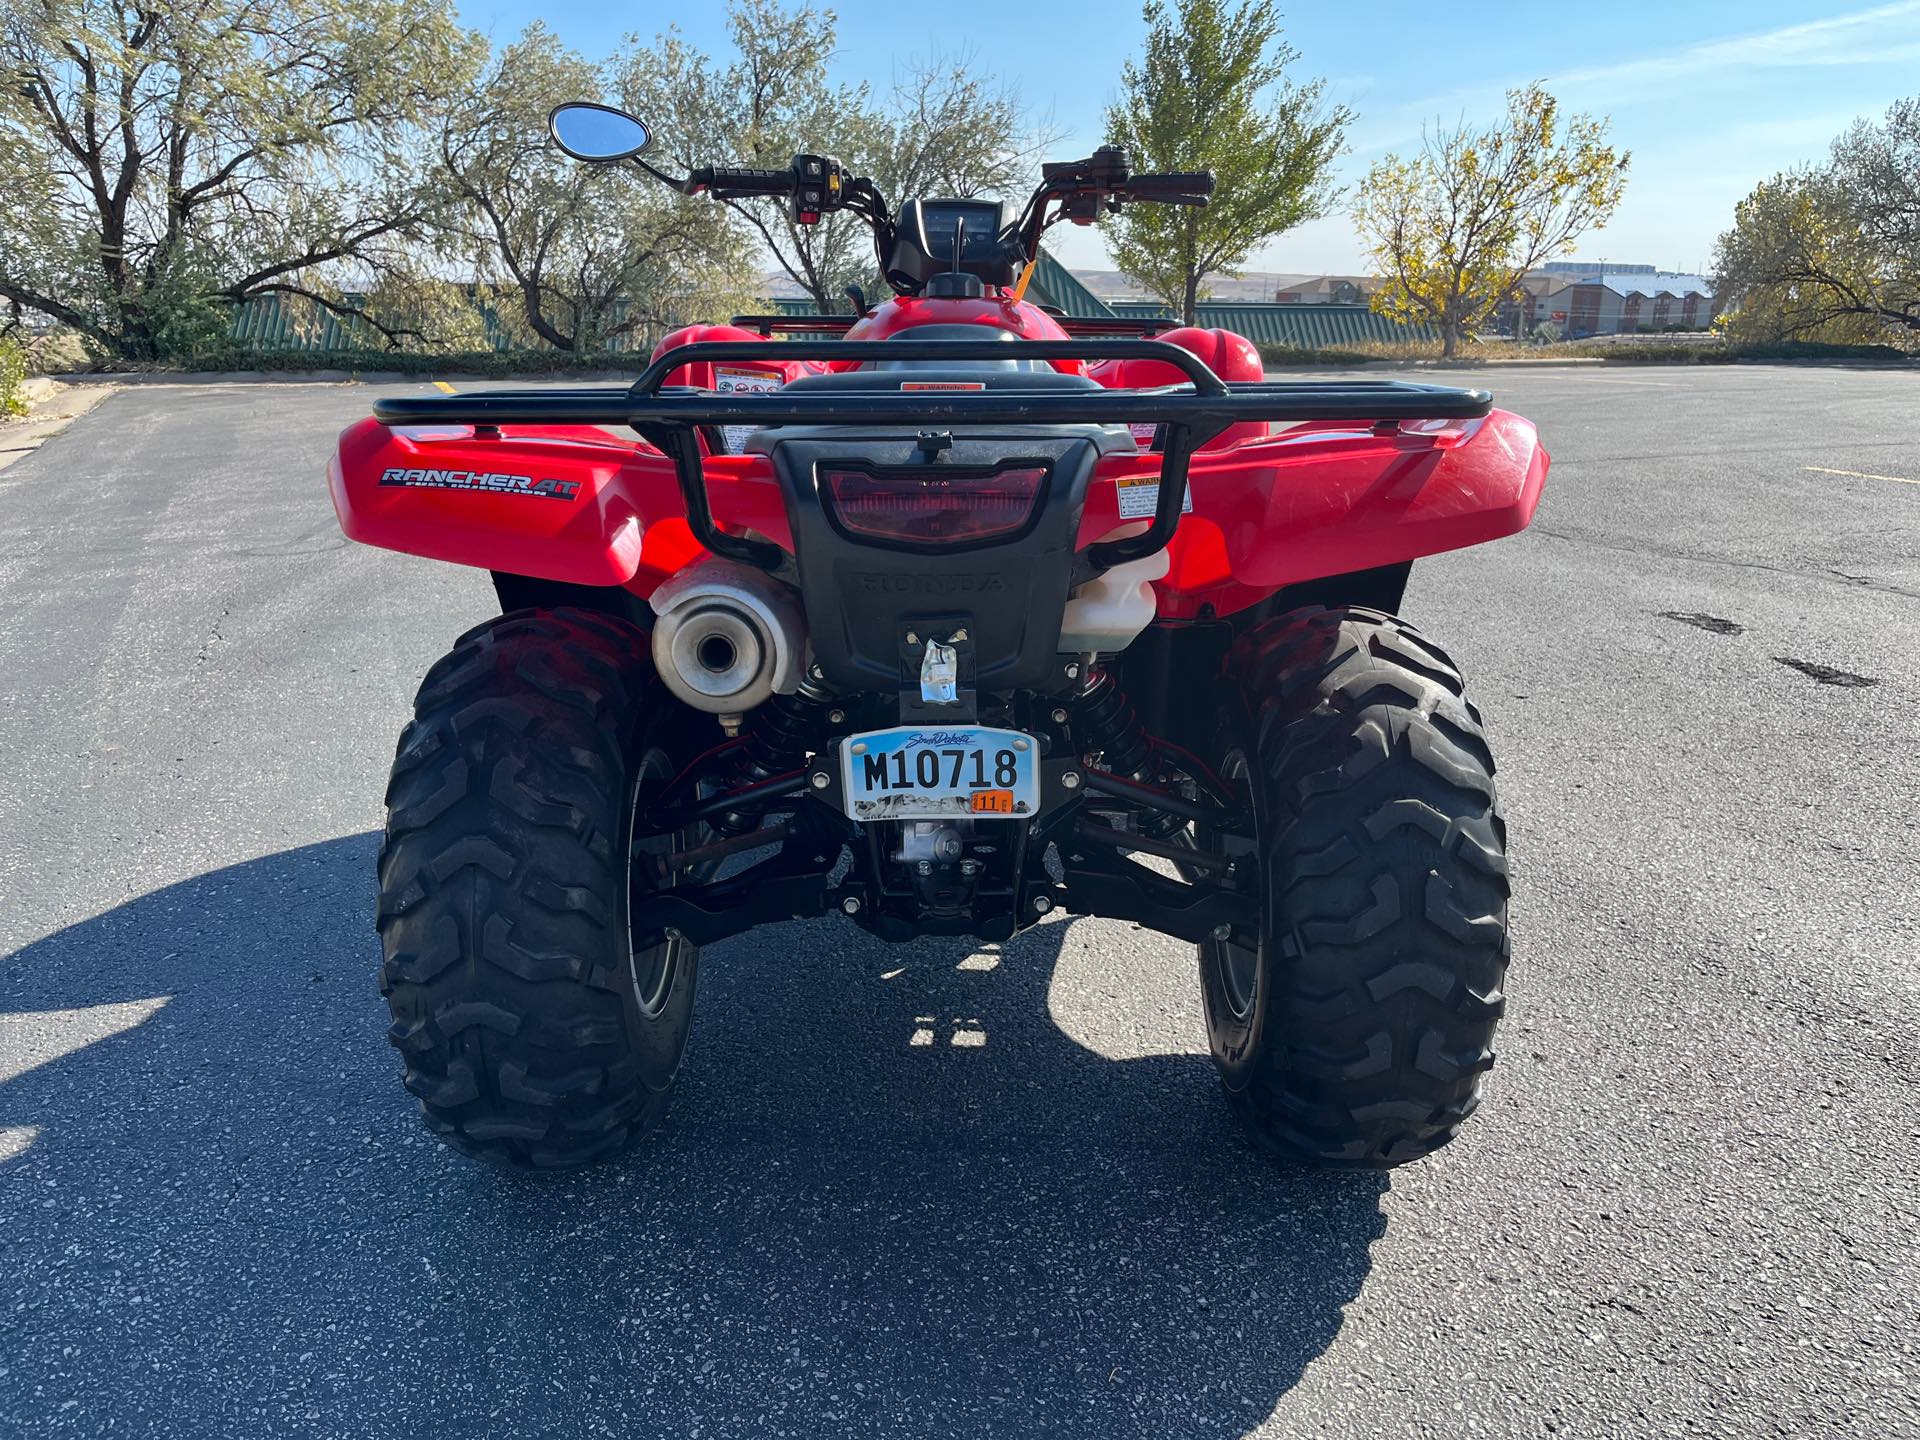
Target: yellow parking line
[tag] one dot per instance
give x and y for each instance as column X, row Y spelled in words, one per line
column 1860, row 475
column 443, row 385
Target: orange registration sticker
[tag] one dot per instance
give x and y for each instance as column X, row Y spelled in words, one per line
column 993, row 802
column 943, row 384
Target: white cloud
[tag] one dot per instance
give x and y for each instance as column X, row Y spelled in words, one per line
column 1884, row 34
column 1865, row 37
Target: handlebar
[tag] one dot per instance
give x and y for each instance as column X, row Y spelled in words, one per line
column 1188, row 187
column 1191, row 186
column 816, row 185
column 746, row 182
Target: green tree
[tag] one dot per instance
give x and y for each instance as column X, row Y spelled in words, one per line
column 770, row 101
column 581, row 255
column 164, row 161
column 949, row 130
column 1831, row 252
column 942, row 128
column 1212, row 94
column 1454, row 228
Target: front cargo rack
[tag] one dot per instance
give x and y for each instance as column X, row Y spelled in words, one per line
column 670, row 417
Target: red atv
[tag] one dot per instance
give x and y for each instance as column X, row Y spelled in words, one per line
column 977, row 613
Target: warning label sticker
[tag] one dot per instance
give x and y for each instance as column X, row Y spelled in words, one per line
column 742, row 380
column 1140, row 498
column 732, row 380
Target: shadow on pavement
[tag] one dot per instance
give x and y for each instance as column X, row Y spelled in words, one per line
column 893, row 1197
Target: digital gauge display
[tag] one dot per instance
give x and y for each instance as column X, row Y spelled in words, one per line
column 940, row 218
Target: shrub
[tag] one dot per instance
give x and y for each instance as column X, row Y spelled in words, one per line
column 13, row 377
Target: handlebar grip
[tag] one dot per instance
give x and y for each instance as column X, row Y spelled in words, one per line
column 752, row 182
column 1173, row 182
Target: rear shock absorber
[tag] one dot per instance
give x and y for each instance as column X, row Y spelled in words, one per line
column 1105, row 721
column 786, row 727
column 783, row 729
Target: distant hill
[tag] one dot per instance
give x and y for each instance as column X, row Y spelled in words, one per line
column 1253, row 285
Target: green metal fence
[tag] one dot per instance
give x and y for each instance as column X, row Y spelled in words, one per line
column 1054, row 284
column 272, row 322
column 1304, row 327
column 277, row 322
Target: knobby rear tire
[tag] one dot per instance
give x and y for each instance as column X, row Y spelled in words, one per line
column 1356, row 1028
column 533, row 1031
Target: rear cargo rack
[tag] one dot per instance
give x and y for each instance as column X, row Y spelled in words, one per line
column 1078, row 326
column 1086, row 326
column 670, row 417
column 796, row 324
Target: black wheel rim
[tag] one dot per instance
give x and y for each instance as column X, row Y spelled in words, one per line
column 1236, row 958
column 654, row 961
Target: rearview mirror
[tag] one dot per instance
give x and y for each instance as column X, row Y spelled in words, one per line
column 597, row 132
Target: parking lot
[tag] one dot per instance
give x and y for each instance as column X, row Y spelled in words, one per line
column 947, row 1190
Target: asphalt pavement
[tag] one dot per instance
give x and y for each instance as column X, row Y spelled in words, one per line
column 948, row 1190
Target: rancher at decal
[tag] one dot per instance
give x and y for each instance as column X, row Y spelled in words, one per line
column 481, row 480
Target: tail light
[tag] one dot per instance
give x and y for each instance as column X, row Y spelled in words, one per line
column 932, row 505
column 1442, row 434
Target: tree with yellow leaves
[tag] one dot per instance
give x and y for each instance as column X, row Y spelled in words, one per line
column 1831, row 252
column 1454, row 228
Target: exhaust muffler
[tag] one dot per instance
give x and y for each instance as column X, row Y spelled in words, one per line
column 726, row 637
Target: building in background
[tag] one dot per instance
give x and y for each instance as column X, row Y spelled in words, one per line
column 1327, row 290
column 1593, row 269
column 1580, row 300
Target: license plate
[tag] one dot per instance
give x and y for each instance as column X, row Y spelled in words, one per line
column 924, row 772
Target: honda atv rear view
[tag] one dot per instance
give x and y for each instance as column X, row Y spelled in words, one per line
column 966, row 614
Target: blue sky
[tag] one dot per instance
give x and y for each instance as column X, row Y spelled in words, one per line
column 1710, row 98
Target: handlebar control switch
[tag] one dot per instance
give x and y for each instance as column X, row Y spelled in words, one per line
column 1086, row 187
column 818, row 183
column 1108, row 167
column 1087, row 207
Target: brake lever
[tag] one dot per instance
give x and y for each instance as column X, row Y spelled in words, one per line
column 695, row 184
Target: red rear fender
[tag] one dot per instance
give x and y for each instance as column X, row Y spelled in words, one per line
column 561, row 502
column 576, row 503
column 1328, row 499
column 735, row 374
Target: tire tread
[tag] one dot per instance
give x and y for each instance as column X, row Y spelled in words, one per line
column 1386, row 868
column 499, row 885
